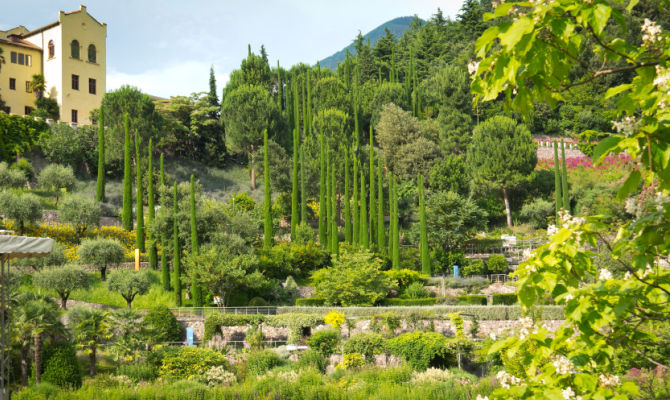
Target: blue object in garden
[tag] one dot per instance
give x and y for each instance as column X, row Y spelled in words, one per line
column 455, row 271
column 189, row 336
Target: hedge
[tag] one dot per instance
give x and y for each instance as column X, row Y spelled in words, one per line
column 310, row 301
column 505, row 299
column 410, row 302
column 294, row 321
column 473, row 299
column 483, row 313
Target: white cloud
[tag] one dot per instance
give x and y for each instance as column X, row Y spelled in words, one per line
column 172, row 80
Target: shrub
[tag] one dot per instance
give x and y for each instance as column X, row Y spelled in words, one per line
column 143, row 371
column 214, row 322
column 55, row 177
column 386, row 323
column 82, row 212
column 62, row 280
column 421, row 349
column 429, row 301
column 505, row 299
column 101, row 253
column 537, row 212
column 293, row 259
column 403, row 277
column 474, row 299
column 219, row 376
column 24, row 165
column 417, row 291
column 325, row 341
column 304, row 234
column 310, row 301
column 55, row 258
column 497, row 264
column 335, row 319
column 255, row 338
column 162, row 326
column 129, row 284
column 474, row 267
column 22, row 208
column 470, row 283
column 259, row 362
column 11, row 178
column 191, row 363
column 312, row 358
column 367, row 344
column 352, row 361
column 243, row 201
column 61, row 366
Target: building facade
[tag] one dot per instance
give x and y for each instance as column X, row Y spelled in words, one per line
column 71, row 55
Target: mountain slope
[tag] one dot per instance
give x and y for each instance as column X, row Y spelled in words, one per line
column 397, row 26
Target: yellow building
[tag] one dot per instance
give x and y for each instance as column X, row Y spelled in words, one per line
column 71, row 55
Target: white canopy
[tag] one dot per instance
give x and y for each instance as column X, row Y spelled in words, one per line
column 24, row 246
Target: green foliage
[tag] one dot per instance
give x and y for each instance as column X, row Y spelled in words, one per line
column 473, row 299
column 304, row 234
column 427, row 301
column 139, row 195
column 11, row 177
column 403, row 277
column 312, row 358
column 162, row 325
column 505, row 299
column 55, row 258
column 387, row 93
column 18, row 135
column 310, row 301
column 260, row 362
column 255, row 338
column 421, row 349
column 62, row 280
column 100, row 183
column 22, row 208
column 24, row 165
column 101, row 253
column 138, row 372
column 449, row 174
column 497, row 264
column 46, row 108
column 292, row 259
column 325, row 341
column 56, row 178
column 474, row 267
column 191, row 363
column 268, row 233
column 354, row 279
column 80, row 211
column 367, row 344
column 416, row 291
column 129, row 284
column 451, row 220
column 352, row 361
column 127, row 213
column 65, row 145
column 537, row 212
column 61, row 367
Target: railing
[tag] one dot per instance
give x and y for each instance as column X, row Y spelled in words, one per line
column 491, row 278
column 512, row 249
column 238, row 344
column 201, row 312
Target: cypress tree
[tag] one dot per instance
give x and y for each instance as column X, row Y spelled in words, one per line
column 373, row 202
column 165, row 268
column 308, row 117
column 196, row 290
column 363, row 234
column 127, row 215
column 303, row 193
column 268, row 235
column 322, row 194
column 566, row 195
column 304, row 106
column 557, row 181
column 329, row 194
column 423, row 245
column 391, row 235
column 356, row 227
column 396, row 228
column 333, row 213
column 176, row 268
column 280, row 88
column 139, row 231
column 295, row 217
column 153, row 256
column 381, row 236
column 347, row 199
column 100, row 185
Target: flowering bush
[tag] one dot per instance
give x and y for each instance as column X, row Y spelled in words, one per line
column 431, row 375
column 334, row 318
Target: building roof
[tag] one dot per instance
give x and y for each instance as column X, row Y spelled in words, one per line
column 17, row 41
column 41, row 29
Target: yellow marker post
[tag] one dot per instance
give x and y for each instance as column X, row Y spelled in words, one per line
column 137, row 259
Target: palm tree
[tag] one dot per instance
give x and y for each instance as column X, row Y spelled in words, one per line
column 41, row 316
column 90, row 326
column 38, row 85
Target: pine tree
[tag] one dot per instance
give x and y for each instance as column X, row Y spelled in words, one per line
column 268, row 238
column 165, row 268
column 295, row 217
column 323, row 230
column 127, row 215
column 176, row 268
column 381, row 236
column 423, row 245
column 196, row 290
column 557, row 180
column 363, row 234
column 153, row 256
column 347, row 199
column 329, row 226
column 566, row 195
column 396, row 228
column 139, row 231
column 373, row 202
column 100, row 186
column 333, row 213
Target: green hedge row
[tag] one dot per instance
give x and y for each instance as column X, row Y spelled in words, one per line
column 410, row 302
column 310, row 301
column 473, row 299
column 214, row 322
column 505, row 299
column 485, row 313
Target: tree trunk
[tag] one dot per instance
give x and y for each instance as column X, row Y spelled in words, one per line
column 103, row 273
column 253, row 170
column 38, row 357
column 25, row 349
column 91, row 361
column 63, row 302
column 128, row 303
column 507, row 209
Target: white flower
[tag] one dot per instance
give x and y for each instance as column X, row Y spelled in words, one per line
column 480, row 397
column 527, row 327
column 526, row 254
column 609, row 380
column 568, row 393
column 563, row 365
column 506, row 380
column 493, row 336
column 605, row 274
column 651, row 32
column 552, row 230
column 568, row 297
column 628, row 126
column 627, row 275
column 473, row 66
column 662, row 79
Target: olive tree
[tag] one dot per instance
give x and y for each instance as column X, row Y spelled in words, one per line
column 129, row 284
column 22, row 208
column 11, row 177
column 102, row 253
column 62, row 280
column 81, row 212
column 55, row 177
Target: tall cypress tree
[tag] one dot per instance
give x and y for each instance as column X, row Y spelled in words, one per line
column 196, row 290
column 329, row 226
column 100, row 185
column 139, row 231
column 153, row 256
column 303, row 193
column 280, row 89
column 557, row 181
column 381, row 236
column 363, row 234
column 423, row 242
column 165, row 268
column 396, row 228
column 391, row 235
column 347, row 199
column 127, row 215
column 268, row 235
column 566, row 195
column 308, row 116
column 373, row 202
column 295, row 217
column 304, row 106
column 356, row 228
column 322, row 194
column 334, row 243
column 176, row 267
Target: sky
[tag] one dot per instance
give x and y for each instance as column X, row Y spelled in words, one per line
column 166, row 47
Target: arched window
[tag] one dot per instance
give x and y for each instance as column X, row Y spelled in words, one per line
column 74, row 49
column 91, row 53
column 52, row 49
